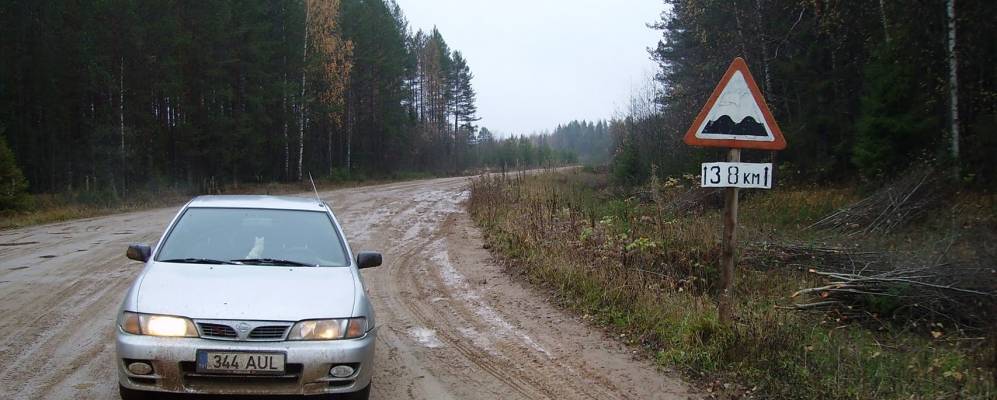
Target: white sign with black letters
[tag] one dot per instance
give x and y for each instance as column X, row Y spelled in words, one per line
column 737, row 174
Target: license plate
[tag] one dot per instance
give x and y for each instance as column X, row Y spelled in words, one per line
column 239, row 362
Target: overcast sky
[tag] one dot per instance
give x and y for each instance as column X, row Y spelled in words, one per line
column 538, row 63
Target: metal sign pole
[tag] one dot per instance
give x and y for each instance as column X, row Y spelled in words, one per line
column 728, row 246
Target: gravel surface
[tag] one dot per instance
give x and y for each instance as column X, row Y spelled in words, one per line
column 453, row 325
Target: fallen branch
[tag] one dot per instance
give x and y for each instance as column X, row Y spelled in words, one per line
column 811, row 305
column 912, row 280
column 818, row 289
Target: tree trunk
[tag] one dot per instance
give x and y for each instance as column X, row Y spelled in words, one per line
column 284, row 116
column 302, row 106
column 329, row 148
column 740, row 30
column 350, row 126
column 121, row 105
column 765, row 48
column 349, row 141
column 882, row 16
column 121, row 112
column 456, row 132
column 953, row 85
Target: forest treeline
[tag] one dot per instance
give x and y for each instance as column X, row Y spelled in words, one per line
column 118, row 95
column 589, row 141
column 858, row 88
column 575, row 142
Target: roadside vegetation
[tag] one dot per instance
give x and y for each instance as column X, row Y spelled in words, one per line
column 642, row 261
column 34, row 209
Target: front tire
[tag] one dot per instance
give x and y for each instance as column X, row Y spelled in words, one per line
column 132, row 394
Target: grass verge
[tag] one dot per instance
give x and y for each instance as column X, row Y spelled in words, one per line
column 646, row 272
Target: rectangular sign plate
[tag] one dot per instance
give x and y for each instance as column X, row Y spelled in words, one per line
column 239, row 362
column 736, row 174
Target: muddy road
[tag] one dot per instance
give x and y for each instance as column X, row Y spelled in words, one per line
column 453, row 326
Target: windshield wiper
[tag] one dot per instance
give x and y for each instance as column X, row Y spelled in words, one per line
column 272, row 261
column 196, row 261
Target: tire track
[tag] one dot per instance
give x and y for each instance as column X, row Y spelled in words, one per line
column 56, row 338
column 500, row 365
column 474, row 356
column 525, row 348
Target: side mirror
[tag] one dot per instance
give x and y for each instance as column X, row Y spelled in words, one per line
column 368, row 259
column 139, row 252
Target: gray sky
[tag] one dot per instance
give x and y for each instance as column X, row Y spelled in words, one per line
column 538, row 63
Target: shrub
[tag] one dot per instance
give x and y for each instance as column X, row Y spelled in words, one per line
column 628, row 169
column 13, row 186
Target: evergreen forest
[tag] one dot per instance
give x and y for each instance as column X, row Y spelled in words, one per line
column 861, row 89
column 113, row 96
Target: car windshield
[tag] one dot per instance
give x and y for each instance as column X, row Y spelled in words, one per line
column 254, row 236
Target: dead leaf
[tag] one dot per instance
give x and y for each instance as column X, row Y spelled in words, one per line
column 954, row 375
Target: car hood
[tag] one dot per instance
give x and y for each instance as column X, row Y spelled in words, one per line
column 246, row 292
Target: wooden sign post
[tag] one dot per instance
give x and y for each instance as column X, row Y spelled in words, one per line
column 735, row 117
column 728, row 244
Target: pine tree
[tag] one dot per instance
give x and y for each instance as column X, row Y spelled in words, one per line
column 13, row 186
column 894, row 127
column 464, row 108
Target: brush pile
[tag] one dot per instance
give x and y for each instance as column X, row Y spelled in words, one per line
column 919, row 190
column 926, row 288
column 917, row 292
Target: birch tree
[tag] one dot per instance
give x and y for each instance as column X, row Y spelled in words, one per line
column 302, row 101
column 953, row 82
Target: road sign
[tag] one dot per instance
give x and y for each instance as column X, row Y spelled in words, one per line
column 736, row 115
column 737, row 175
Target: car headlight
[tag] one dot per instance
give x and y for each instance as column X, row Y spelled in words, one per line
column 156, row 325
column 329, row 329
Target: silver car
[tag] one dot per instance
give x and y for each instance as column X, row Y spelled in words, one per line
column 248, row 295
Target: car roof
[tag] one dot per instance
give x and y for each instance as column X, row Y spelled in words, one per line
column 258, row 201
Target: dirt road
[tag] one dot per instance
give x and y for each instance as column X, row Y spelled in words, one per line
column 453, row 326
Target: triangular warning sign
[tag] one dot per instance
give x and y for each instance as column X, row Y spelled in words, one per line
column 736, row 115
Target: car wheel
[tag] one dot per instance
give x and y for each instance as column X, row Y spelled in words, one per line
column 132, row 394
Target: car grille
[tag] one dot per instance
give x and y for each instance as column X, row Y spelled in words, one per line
column 268, row 332
column 217, row 330
column 243, row 330
column 192, row 380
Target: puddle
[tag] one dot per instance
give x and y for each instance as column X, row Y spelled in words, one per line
column 426, row 337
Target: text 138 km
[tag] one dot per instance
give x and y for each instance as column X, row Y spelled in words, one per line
column 736, row 174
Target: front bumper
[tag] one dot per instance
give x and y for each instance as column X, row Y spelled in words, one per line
column 308, row 363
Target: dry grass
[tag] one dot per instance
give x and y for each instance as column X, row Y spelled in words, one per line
column 634, row 265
